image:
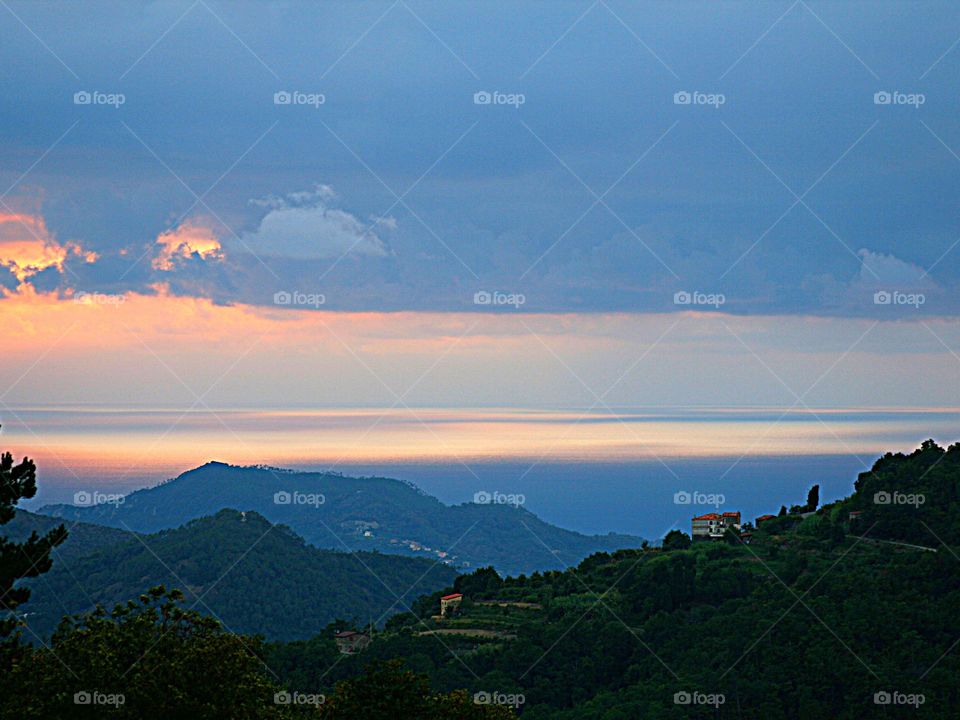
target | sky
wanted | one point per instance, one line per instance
(409, 204)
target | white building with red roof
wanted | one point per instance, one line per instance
(712, 526)
(450, 604)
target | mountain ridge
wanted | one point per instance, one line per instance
(255, 576)
(331, 510)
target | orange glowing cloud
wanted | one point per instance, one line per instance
(27, 247)
(183, 242)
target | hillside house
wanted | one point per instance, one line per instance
(450, 604)
(712, 526)
(350, 642)
(764, 518)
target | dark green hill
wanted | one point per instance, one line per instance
(356, 513)
(83, 538)
(818, 617)
(254, 576)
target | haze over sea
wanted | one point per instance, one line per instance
(590, 471)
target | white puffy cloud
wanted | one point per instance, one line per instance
(880, 269)
(304, 226)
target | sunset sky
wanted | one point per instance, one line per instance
(157, 198)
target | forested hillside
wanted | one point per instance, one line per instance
(237, 567)
(848, 612)
(816, 617)
(371, 513)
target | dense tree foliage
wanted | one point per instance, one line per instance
(254, 577)
(387, 691)
(850, 612)
(149, 658)
(818, 617)
(676, 540)
(18, 560)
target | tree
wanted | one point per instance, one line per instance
(480, 582)
(388, 691)
(783, 511)
(19, 560)
(813, 498)
(676, 540)
(148, 659)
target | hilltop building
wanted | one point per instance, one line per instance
(712, 526)
(450, 604)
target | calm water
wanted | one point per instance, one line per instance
(593, 471)
(635, 497)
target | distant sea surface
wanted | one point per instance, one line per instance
(628, 471)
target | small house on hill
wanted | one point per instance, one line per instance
(764, 518)
(712, 526)
(350, 641)
(450, 604)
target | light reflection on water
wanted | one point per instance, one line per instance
(121, 446)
